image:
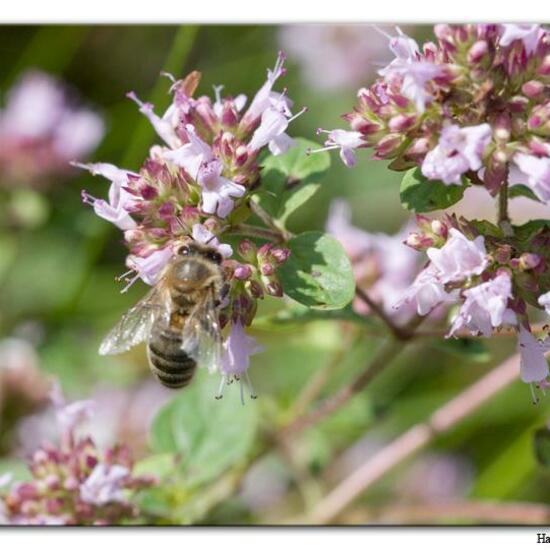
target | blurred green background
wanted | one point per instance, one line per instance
(57, 286)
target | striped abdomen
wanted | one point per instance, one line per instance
(168, 361)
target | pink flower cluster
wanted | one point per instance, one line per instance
(73, 483)
(493, 281)
(471, 108)
(196, 185)
(40, 131)
(474, 102)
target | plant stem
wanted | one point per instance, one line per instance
(479, 512)
(266, 218)
(389, 350)
(255, 231)
(414, 439)
(503, 216)
(400, 333)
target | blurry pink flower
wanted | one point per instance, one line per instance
(344, 140)
(382, 264)
(116, 210)
(533, 364)
(486, 307)
(535, 173)
(459, 258)
(334, 56)
(528, 34)
(69, 416)
(458, 150)
(37, 108)
(356, 242)
(202, 235)
(105, 484)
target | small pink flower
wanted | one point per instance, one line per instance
(238, 348)
(265, 95)
(486, 307)
(192, 155)
(535, 173)
(528, 34)
(346, 141)
(105, 485)
(116, 210)
(426, 292)
(459, 258)
(533, 364)
(149, 268)
(202, 235)
(165, 126)
(217, 192)
(272, 129)
(458, 150)
(415, 73)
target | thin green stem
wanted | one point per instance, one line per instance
(266, 218)
(254, 231)
(389, 350)
(502, 213)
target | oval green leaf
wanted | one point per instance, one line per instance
(318, 272)
(420, 194)
(210, 435)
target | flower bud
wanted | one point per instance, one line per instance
(242, 272)
(533, 88)
(274, 288)
(241, 155)
(529, 261)
(402, 123)
(247, 250)
(280, 255)
(478, 51)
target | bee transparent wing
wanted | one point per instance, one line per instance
(202, 338)
(135, 325)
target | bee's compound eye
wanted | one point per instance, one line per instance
(183, 250)
(216, 257)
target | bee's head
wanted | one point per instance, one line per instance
(194, 249)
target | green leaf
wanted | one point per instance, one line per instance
(318, 272)
(159, 465)
(420, 194)
(289, 180)
(469, 348)
(527, 230)
(542, 446)
(521, 190)
(210, 435)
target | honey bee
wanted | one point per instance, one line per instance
(178, 318)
